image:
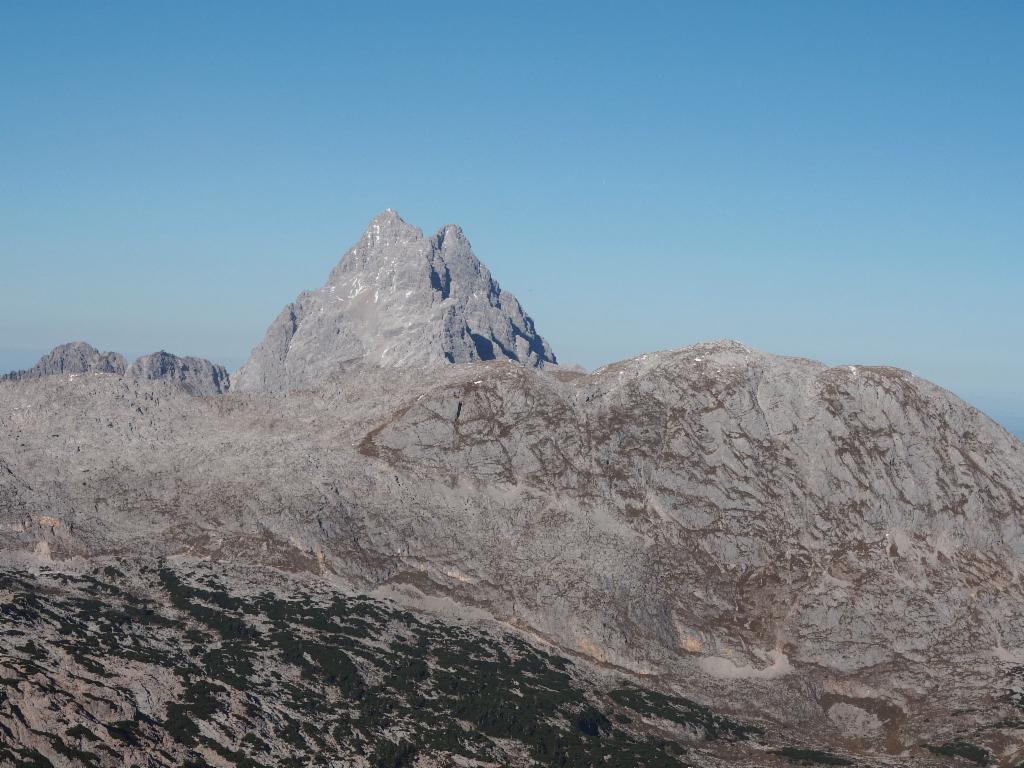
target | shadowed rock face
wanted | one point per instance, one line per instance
(193, 374)
(396, 299)
(835, 549)
(76, 357)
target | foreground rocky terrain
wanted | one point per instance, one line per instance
(707, 556)
(162, 664)
(191, 662)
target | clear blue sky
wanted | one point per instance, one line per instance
(843, 181)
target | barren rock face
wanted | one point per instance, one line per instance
(74, 358)
(836, 549)
(766, 509)
(193, 374)
(397, 299)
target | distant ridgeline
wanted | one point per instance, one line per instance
(194, 375)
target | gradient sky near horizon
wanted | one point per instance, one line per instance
(842, 181)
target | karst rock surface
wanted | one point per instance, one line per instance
(840, 547)
(397, 299)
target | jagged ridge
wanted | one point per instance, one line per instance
(194, 375)
(396, 299)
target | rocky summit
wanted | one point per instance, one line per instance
(74, 358)
(708, 556)
(193, 374)
(396, 299)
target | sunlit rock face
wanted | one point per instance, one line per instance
(397, 299)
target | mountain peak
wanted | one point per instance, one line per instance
(388, 214)
(75, 357)
(396, 299)
(195, 375)
(386, 221)
(452, 236)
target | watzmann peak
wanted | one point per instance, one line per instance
(397, 298)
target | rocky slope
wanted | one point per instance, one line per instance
(186, 662)
(396, 299)
(834, 550)
(707, 556)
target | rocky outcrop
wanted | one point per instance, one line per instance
(396, 299)
(194, 375)
(837, 549)
(74, 358)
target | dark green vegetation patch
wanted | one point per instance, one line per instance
(961, 749)
(314, 678)
(696, 717)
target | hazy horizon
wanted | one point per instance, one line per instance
(814, 180)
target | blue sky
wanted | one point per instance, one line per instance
(842, 181)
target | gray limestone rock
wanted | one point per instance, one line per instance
(396, 299)
(195, 375)
(837, 548)
(74, 358)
